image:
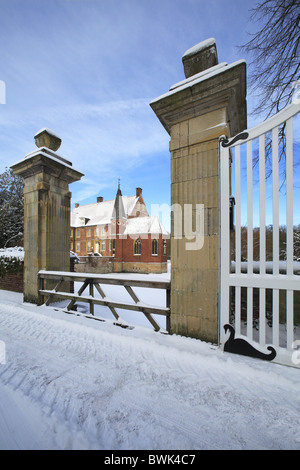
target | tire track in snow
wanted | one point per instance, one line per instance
(120, 372)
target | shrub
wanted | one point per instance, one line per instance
(10, 264)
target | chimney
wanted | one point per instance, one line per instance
(100, 199)
(76, 205)
(138, 192)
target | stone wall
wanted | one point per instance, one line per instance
(95, 264)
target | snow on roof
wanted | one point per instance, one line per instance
(145, 225)
(100, 213)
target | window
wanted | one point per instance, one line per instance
(78, 247)
(78, 233)
(165, 247)
(102, 245)
(154, 247)
(137, 247)
(88, 246)
(88, 232)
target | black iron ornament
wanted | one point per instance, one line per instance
(226, 143)
(242, 347)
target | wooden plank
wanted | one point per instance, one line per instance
(80, 291)
(147, 315)
(262, 237)
(275, 196)
(91, 292)
(112, 309)
(69, 276)
(126, 306)
(60, 282)
(237, 154)
(268, 281)
(274, 121)
(132, 294)
(168, 305)
(94, 281)
(289, 232)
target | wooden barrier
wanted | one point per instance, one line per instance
(92, 282)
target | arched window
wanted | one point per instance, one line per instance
(137, 247)
(154, 247)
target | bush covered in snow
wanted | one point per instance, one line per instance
(11, 260)
(10, 264)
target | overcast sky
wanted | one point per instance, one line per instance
(88, 69)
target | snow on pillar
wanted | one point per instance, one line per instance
(47, 176)
(210, 102)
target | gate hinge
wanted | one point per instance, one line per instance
(226, 143)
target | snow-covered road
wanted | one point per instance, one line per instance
(74, 383)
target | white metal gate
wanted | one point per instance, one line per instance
(259, 308)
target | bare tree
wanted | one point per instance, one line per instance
(11, 208)
(275, 50)
(274, 69)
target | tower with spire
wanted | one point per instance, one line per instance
(118, 225)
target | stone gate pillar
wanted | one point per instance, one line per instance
(210, 102)
(47, 176)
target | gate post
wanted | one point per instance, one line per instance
(210, 102)
(46, 210)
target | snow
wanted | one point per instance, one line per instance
(69, 382)
(145, 225)
(51, 155)
(100, 213)
(200, 47)
(13, 252)
(199, 75)
(198, 78)
(46, 129)
(54, 156)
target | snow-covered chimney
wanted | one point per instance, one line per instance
(100, 199)
(138, 192)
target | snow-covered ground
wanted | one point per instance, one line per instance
(69, 382)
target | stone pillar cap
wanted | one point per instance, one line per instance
(47, 138)
(200, 57)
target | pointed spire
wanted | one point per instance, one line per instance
(119, 211)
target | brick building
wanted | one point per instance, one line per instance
(121, 231)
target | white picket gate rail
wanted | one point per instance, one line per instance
(247, 284)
